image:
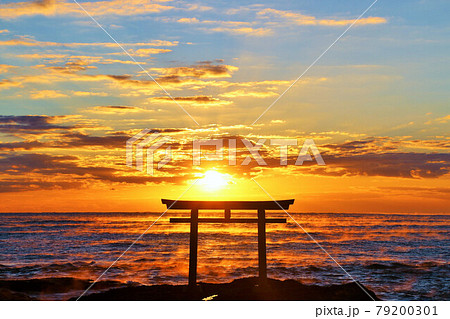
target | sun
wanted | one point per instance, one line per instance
(213, 180)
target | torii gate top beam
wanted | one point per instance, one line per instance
(216, 205)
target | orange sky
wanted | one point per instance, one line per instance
(376, 104)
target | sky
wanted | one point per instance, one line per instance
(77, 81)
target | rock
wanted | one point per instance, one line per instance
(239, 289)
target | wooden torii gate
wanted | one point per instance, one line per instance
(227, 206)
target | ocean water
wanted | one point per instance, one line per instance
(399, 257)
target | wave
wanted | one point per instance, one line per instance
(44, 270)
(424, 266)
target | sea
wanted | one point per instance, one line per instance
(398, 256)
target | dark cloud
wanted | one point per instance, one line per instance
(118, 107)
(72, 67)
(26, 145)
(72, 139)
(355, 158)
(25, 172)
(23, 186)
(19, 164)
(381, 156)
(31, 123)
(198, 99)
(120, 77)
(404, 165)
(366, 145)
(44, 3)
(201, 70)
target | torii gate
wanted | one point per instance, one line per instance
(227, 206)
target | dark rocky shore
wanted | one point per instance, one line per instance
(239, 289)
(49, 288)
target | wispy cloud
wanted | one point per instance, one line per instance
(439, 120)
(95, 8)
(5, 68)
(231, 27)
(302, 19)
(7, 84)
(114, 109)
(245, 93)
(148, 52)
(81, 59)
(249, 31)
(31, 42)
(201, 100)
(46, 94)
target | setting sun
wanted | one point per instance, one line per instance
(213, 180)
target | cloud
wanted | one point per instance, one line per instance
(249, 31)
(95, 8)
(198, 7)
(215, 22)
(73, 66)
(56, 132)
(200, 100)
(271, 84)
(195, 78)
(155, 43)
(85, 93)
(362, 21)
(148, 52)
(77, 140)
(404, 165)
(261, 25)
(188, 20)
(69, 72)
(41, 56)
(101, 159)
(441, 193)
(4, 31)
(29, 172)
(127, 8)
(69, 140)
(6, 84)
(433, 145)
(46, 94)
(440, 120)
(17, 9)
(24, 145)
(381, 157)
(200, 71)
(4, 68)
(30, 42)
(301, 19)
(84, 59)
(66, 68)
(114, 109)
(245, 93)
(30, 123)
(231, 27)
